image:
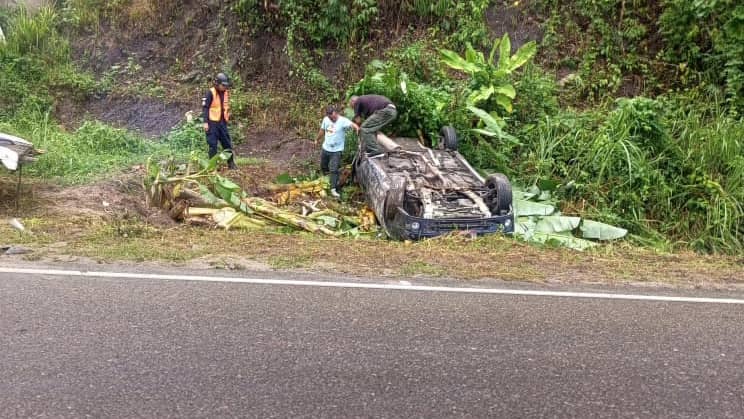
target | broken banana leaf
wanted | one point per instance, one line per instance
(557, 224)
(265, 208)
(173, 188)
(563, 240)
(537, 223)
(230, 218)
(601, 231)
(526, 208)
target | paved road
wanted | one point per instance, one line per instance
(79, 347)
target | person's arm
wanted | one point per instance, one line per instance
(323, 127)
(357, 114)
(319, 137)
(349, 124)
(205, 112)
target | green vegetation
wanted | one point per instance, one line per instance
(642, 128)
(35, 64)
(667, 166)
(36, 70)
(616, 46)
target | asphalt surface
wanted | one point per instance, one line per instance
(91, 347)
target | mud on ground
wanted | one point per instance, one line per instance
(150, 117)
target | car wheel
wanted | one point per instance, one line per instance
(448, 137)
(500, 194)
(394, 199)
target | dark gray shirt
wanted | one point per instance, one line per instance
(368, 104)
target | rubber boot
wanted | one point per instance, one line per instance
(231, 161)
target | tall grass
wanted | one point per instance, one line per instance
(35, 64)
(712, 192)
(95, 150)
(671, 167)
(36, 33)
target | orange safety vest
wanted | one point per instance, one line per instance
(215, 110)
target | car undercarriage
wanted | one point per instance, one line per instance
(419, 192)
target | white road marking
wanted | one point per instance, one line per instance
(372, 286)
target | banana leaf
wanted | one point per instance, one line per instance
(601, 231)
(524, 54)
(329, 221)
(526, 208)
(484, 93)
(562, 240)
(506, 90)
(454, 61)
(284, 179)
(525, 227)
(493, 123)
(557, 224)
(504, 102)
(209, 197)
(505, 52)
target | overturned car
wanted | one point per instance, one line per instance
(418, 192)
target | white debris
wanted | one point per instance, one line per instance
(16, 224)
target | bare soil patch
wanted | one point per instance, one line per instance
(151, 117)
(282, 148)
(505, 17)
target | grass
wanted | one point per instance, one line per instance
(669, 169)
(54, 236)
(289, 262)
(94, 150)
(421, 268)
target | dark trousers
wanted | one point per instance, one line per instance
(218, 133)
(372, 125)
(330, 162)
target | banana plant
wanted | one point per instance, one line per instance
(490, 78)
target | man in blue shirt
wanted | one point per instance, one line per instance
(333, 129)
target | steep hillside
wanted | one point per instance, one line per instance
(171, 50)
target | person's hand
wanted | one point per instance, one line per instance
(206, 127)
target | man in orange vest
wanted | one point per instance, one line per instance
(216, 105)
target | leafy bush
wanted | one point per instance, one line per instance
(421, 108)
(312, 23)
(537, 96)
(709, 37)
(490, 85)
(463, 21)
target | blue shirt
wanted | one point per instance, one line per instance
(335, 133)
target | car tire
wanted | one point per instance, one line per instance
(448, 137)
(394, 199)
(500, 193)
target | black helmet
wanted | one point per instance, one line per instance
(222, 79)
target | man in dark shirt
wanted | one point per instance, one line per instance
(216, 104)
(377, 111)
